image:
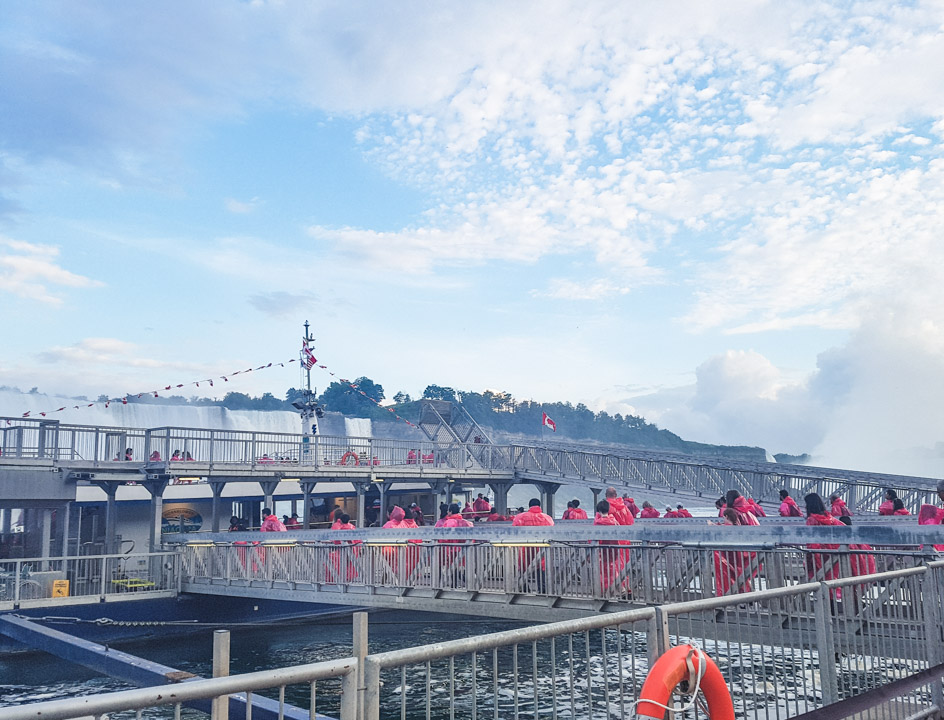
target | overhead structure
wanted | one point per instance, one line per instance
(445, 422)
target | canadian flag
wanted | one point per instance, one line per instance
(546, 420)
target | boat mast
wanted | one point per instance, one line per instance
(308, 408)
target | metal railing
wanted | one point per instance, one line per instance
(33, 581)
(594, 667)
(595, 567)
(172, 698)
(180, 449)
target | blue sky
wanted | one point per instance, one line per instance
(722, 216)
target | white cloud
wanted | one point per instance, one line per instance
(562, 289)
(241, 207)
(28, 270)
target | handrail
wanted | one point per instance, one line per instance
(367, 678)
(202, 689)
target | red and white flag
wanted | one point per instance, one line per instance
(307, 357)
(546, 420)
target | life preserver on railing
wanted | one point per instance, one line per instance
(350, 454)
(684, 663)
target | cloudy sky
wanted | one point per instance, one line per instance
(724, 216)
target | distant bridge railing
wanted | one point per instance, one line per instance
(95, 578)
(180, 451)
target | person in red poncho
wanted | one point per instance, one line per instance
(527, 557)
(788, 506)
(631, 506)
(392, 553)
(618, 508)
(733, 568)
(931, 515)
(648, 511)
(838, 507)
(735, 501)
(612, 560)
(451, 561)
(682, 512)
(898, 507)
(888, 506)
(670, 513)
(577, 513)
(574, 511)
(820, 566)
(270, 522)
(345, 556)
(756, 509)
(481, 507)
(859, 564)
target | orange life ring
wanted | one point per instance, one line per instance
(678, 664)
(349, 454)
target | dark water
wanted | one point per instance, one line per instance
(36, 676)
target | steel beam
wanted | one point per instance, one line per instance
(130, 668)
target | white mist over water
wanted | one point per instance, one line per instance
(138, 415)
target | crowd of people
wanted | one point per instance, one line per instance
(735, 570)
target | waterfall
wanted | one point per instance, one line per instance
(357, 427)
(140, 415)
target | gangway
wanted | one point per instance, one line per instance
(549, 573)
(56, 457)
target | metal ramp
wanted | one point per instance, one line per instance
(450, 427)
(443, 421)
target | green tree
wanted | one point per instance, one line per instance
(237, 401)
(437, 392)
(347, 400)
(402, 397)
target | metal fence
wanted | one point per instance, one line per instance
(197, 449)
(590, 569)
(783, 652)
(595, 667)
(40, 581)
(169, 701)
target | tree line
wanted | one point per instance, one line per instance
(495, 411)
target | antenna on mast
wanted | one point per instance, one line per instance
(306, 405)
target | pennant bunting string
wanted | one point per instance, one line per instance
(124, 399)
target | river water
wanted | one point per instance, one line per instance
(35, 677)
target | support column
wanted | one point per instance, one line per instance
(65, 512)
(307, 487)
(45, 543)
(500, 491)
(7, 523)
(156, 485)
(596, 498)
(217, 488)
(111, 516)
(382, 518)
(360, 504)
(549, 492)
(268, 493)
